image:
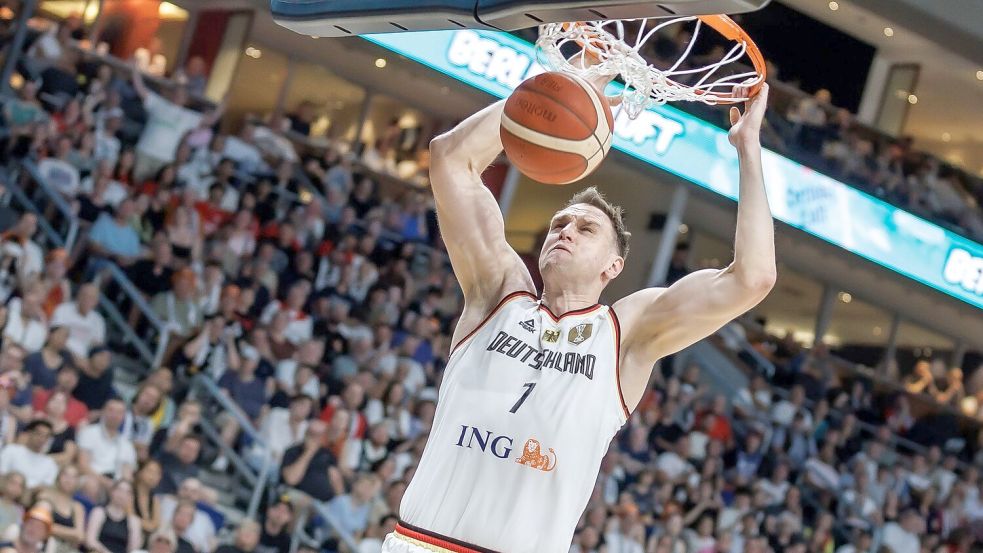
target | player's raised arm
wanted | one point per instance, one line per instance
(661, 321)
(470, 220)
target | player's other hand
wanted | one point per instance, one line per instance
(745, 128)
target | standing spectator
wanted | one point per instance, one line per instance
(86, 327)
(168, 120)
(112, 528)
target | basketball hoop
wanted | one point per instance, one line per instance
(608, 51)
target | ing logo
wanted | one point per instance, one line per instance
(532, 456)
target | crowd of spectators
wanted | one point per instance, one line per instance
(326, 317)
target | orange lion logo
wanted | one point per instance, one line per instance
(533, 457)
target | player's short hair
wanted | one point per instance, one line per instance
(591, 196)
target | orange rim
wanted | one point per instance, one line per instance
(724, 25)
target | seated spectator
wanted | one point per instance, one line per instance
(43, 365)
(311, 468)
(33, 532)
(246, 538)
(112, 528)
(99, 195)
(162, 541)
(277, 526)
(146, 502)
(68, 530)
(12, 488)
(103, 450)
(283, 427)
(672, 465)
(57, 288)
(249, 394)
(163, 380)
(178, 308)
(26, 326)
(138, 426)
(212, 351)
(61, 447)
(351, 511)
(199, 530)
(107, 145)
(57, 170)
(86, 327)
(179, 464)
(66, 381)
(362, 455)
(300, 325)
(28, 458)
(95, 380)
(902, 536)
(152, 275)
(24, 112)
(113, 237)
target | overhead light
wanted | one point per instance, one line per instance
(834, 6)
(888, 31)
(946, 137)
(315, 37)
(254, 53)
(683, 228)
(912, 99)
(979, 75)
(380, 62)
(845, 297)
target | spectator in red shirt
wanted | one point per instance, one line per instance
(66, 381)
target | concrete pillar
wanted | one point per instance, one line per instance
(279, 107)
(891, 351)
(826, 303)
(670, 232)
(363, 116)
(958, 354)
(16, 44)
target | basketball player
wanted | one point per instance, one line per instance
(536, 386)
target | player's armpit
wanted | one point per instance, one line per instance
(657, 322)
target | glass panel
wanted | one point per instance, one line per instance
(900, 85)
(257, 84)
(333, 104)
(858, 331)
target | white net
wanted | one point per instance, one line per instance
(614, 47)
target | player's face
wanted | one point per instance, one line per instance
(581, 245)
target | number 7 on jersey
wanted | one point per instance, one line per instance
(528, 386)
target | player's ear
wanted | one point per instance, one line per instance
(614, 268)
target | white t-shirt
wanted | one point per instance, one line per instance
(275, 431)
(38, 469)
(672, 465)
(201, 532)
(899, 539)
(775, 491)
(299, 329)
(84, 331)
(167, 123)
(107, 147)
(60, 175)
(108, 455)
(29, 334)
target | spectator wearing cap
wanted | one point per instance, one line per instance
(112, 528)
(178, 308)
(29, 458)
(311, 468)
(86, 327)
(66, 380)
(95, 380)
(246, 538)
(43, 365)
(103, 451)
(276, 527)
(32, 534)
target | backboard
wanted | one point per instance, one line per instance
(335, 18)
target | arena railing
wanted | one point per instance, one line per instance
(203, 388)
(44, 193)
(107, 306)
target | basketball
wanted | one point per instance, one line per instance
(556, 128)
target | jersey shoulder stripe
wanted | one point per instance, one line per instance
(617, 360)
(507, 299)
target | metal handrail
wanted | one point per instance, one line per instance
(71, 235)
(259, 480)
(322, 511)
(136, 296)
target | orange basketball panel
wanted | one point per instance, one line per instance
(548, 115)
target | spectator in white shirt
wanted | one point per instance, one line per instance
(281, 428)
(903, 537)
(104, 451)
(86, 327)
(58, 172)
(673, 464)
(108, 146)
(20, 256)
(27, 458)
(26, 325)
(301, 326)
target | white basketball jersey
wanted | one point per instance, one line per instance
(528, 405)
